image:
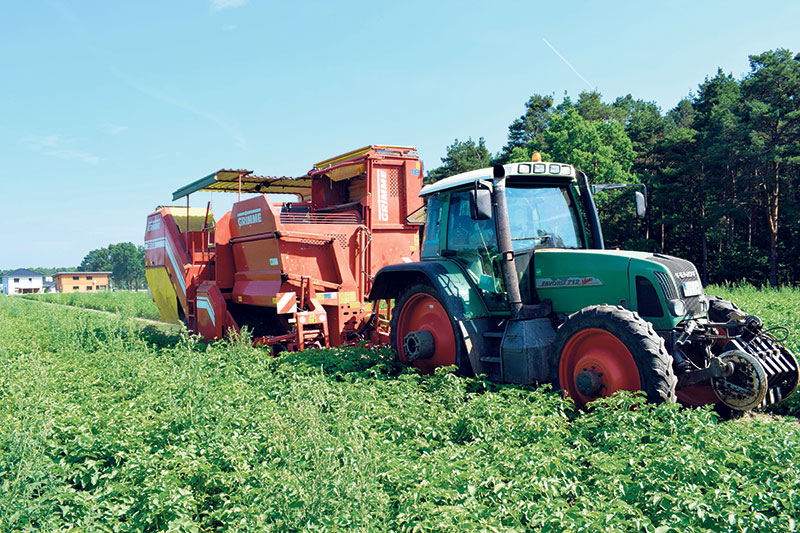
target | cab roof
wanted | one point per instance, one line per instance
(537, 169)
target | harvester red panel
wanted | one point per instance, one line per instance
(297, 274)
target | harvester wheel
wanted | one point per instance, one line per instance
(602, 349)
(420, 309)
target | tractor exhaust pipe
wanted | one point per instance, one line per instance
(503, 231)
(591, 212)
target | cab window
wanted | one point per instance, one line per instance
(465, 233)
(430, 243)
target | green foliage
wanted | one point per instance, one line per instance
(528, 127)
(108, 426)
(722, 168)
(126, 303)
(124, 260)
(599, 147)
(461, 157)
(44, 271)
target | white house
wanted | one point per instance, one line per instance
(23, 281)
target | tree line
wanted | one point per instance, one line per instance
(44, 271)
(722, 168)
(124, 260)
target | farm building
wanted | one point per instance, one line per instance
(24, 281)
(81, 281)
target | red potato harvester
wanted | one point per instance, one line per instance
(297, 274)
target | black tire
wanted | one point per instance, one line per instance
(459, 358)
(656, 377)
(720, 310)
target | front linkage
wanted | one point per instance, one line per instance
(743, 364)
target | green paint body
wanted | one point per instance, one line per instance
(572, 278)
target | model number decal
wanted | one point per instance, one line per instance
(249, 217)
(588, 281)
(383, 197)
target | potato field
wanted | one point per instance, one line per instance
(109, 424)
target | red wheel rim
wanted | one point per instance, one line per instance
(424, 312)
(599, 351)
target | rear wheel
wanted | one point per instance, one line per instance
(424, 334)
(602, 349)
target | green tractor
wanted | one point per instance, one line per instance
(514, 282)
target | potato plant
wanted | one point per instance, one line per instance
(126, 303)
(109, 425)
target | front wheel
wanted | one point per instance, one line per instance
(424, 334)
(602, 349)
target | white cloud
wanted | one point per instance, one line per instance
(57, 146)
(229, 27)
(217, 5)
(181, 104)
(74, 154)
(115, 129)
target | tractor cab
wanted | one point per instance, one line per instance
(544, 212)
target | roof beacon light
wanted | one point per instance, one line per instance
(536, 157)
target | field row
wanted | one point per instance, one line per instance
(108, 425)
(125, 303)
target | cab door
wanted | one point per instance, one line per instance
(473, 245)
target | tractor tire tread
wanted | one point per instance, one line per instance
(647, 348)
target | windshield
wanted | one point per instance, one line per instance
(542, 218)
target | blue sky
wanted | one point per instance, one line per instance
(107, 107)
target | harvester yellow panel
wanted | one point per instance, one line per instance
(244, 181)
(197, 217)
(346, 172)
(163, 293)
(358, 152)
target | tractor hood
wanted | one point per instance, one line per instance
(650, 284)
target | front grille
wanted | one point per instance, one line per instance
(667, 285)
(681, 271)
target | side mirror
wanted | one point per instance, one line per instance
(641, 204)
(480, 204)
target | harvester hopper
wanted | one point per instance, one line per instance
(297, 273)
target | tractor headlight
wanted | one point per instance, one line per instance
(676, 307)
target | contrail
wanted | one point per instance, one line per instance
(567, 63)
